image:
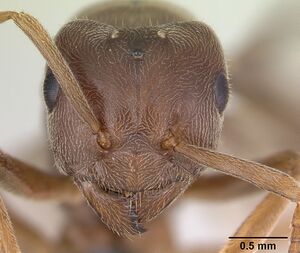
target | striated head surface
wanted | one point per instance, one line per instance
(143, 84)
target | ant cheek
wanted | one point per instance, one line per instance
(51, 90)
(221, 89)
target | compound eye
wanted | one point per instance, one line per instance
(51, 90)
(221, 91)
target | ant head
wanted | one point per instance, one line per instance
(143, 85)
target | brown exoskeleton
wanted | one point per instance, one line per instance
(135, 110)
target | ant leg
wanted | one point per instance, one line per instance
(295, 237)
(262, 220)
(259, 223)
(219, 187)
(33, 242)
(8, 242)
(22, 179)
(29, 240)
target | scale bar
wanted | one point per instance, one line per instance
(258, 237)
